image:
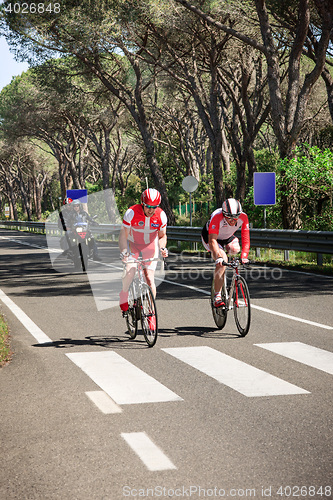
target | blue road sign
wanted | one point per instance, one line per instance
(75, 194)
(264, 188)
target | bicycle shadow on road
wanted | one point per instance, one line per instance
(97, 341)
(198, 331)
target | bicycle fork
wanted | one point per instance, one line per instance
(229, 293)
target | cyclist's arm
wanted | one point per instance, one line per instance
(162, 238)
(245, 237)
(123, 236)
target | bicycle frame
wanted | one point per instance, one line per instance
(229, 293)
(142, 306)
(236, 297)
(139, 278)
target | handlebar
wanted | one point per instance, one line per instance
(236, 263)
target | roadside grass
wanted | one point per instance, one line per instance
(5, 351)
(298, 261)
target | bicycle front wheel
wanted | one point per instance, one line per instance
(148, 315)
(242, 306)
(219, 313)
(131, 315)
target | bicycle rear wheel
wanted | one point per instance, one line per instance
(242, 306)
(219, 313)
(131, 316)
(148, 315)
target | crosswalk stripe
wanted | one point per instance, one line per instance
(306, 354)
(153, 458)
(120, 379)
(241, 377)
(103, 402)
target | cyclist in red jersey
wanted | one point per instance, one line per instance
(143, 233)
(219, 239)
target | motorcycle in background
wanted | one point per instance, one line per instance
(81, 248)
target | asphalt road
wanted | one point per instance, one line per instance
(86, 413)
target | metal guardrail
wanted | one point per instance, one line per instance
(319, 242)
(303, 241)
(26, 225)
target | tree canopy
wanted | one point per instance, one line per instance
(124, 90)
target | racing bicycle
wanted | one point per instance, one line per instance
(235, 296)
(141, 306)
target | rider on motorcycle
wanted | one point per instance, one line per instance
(78, 215)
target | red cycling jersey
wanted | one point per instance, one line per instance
(144, 230)
(218, 225)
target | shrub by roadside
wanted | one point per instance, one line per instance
(5, 352)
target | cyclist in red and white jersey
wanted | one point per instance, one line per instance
(219, 239)
(143, 233)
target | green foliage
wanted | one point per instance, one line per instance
(64, 90)
(311, 174)
(132, 194)
(94, 188)
(267, 161)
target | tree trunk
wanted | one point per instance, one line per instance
(327, 77)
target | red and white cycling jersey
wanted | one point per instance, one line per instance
(144, 230)
(218, 225)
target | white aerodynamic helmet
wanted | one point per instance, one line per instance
(231, 208)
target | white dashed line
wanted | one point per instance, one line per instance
(153, 458)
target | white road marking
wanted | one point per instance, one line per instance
(120, 379)
(103, 402)
(32, 328)
(295, 318)
(264, 309)
(24, 243)
(150, 454)
(241, 377)
(306, 354)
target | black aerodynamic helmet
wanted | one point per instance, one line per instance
(231, 208)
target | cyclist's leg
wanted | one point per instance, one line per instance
(130, 267)
(149, 275)
(219, 270)
(233, 247)
(150, 252)
(230, 247)
(219, 273)
(127, 278)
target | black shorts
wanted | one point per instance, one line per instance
(204, 234)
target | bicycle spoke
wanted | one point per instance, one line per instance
(149, 316)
